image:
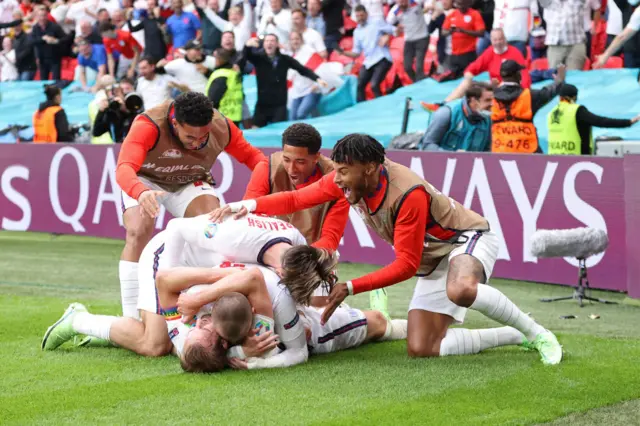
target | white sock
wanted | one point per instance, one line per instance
(396, 330)
(462, 341)
(93, 325)
(495, 305)
(128, 272)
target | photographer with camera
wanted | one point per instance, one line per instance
(117, 111)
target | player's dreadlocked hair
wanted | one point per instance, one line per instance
(358, 147)
(198, 358)
(304, 136)
(305, 268)
(194, 109)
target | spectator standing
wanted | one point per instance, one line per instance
(565, 33)
(569, 125)
(182, 26)
(333, 19)
(629, 36)
(25, 54)
(408, 15)
(89, 33)
(277, 21)
(439, 12)
(614, 21)
(240, 21)
(304, 94)
(514, 17)
(486, 9)
(315, 19)
(513, 110)
(50, 124)
(464, 25)
(311, 38)
(92, 63)
(8, 70)
(48, 39)
(211, 34)
(7, 7)
(81, 12)
(155, 88)
(224, 88)
(490, 61)
(151, 23)
(370, 38)
(375, 9)
(462, 125)
(125, 45)
(271, 74)
(592, 17)
(194, 69)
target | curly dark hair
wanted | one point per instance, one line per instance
(304, 136)
(193, 109)
(358, 148)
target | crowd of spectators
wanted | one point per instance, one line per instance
(168, 46)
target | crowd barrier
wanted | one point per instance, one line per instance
(71, 189)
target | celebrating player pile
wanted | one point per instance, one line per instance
(449, 247)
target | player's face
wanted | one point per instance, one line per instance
(298, 163)
(204, 333)
(190, 136)
(352, 179)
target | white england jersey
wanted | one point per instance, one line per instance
(347, 328)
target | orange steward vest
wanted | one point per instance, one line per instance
(44, 125)
(512, 129)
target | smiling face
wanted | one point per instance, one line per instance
(353, 179)
(227, 41)
(235, 15)
(191, 137)
(270, 44)
(295, 41)
(298, 163)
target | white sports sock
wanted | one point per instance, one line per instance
(93, 325)
(128, 272)
(396, 330)
(492, 303)
(462, 341)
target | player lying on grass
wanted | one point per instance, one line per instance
(449, 247)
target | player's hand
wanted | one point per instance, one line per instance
(560, 74)
(240, 208)
(599, 63)
(238, 364)
(339, 292)
(149, 203)
(255, 346)
(188, 306)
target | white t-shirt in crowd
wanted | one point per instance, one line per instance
(614, 19)
(313, 39)
(300, 85)
(59, 13)
(513, 17)
(590, 6)
(634, 21)
(187, 73)
(8, 70)
(282, 26)
(7, 7)
(77, 13)
(156, 91)
(375, 9)
(241, 32)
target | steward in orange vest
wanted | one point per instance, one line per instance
(513, 109)
(50, 123)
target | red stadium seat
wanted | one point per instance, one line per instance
(397, 43)
(587, 65)
(349, 24)
(336, 57)
(614, 62)
(539, 64)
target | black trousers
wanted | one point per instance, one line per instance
(50, 66)
(416, 49)
(266, 114)
(375, 75)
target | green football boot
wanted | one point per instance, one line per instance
(549, 348)
(378, 301)
(62, 330)
(90, 342)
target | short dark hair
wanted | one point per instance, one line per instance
(360, 8)
(194, 109)
(150, 59)
(304, 136)
(106, 26)
(358, 147)
(272, 35)
(229, 32)
(476, 89)
(51, 91)
(223, 55)
(128, 80)
(300, 11)
(197, 358)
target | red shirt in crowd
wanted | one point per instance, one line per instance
(141, 139)
(334, 222)
(123, 43)
(408, 234)
(490, 61)
(471, 20)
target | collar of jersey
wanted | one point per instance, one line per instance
(313, 178)
(375, 199)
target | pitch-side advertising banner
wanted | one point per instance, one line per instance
(72, 189)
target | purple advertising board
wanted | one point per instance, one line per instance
(71, 189)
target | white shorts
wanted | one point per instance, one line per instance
(347, 328)
(430, 293)
(177, 202)
(150, 261)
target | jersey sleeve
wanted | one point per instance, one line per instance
(242, 150)
(178, 332)
(259, 182)
(408, 242)
(140, 140)
(323, 191)
(333, 227)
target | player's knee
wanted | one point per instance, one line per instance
(376, 325)
(138, 235)
(462, 290)
(423, 348)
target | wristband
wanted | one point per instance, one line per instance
(350, 288)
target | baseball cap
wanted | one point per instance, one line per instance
(510, 67)
(568, 91)
(192, 44)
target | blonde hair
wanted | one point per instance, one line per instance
(305, 268)
(233, 315)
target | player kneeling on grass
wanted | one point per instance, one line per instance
(448, 246)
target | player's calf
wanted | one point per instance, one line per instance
(379, 328)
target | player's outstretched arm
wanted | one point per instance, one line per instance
(242, 150)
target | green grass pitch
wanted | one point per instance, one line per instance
(597, 383)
